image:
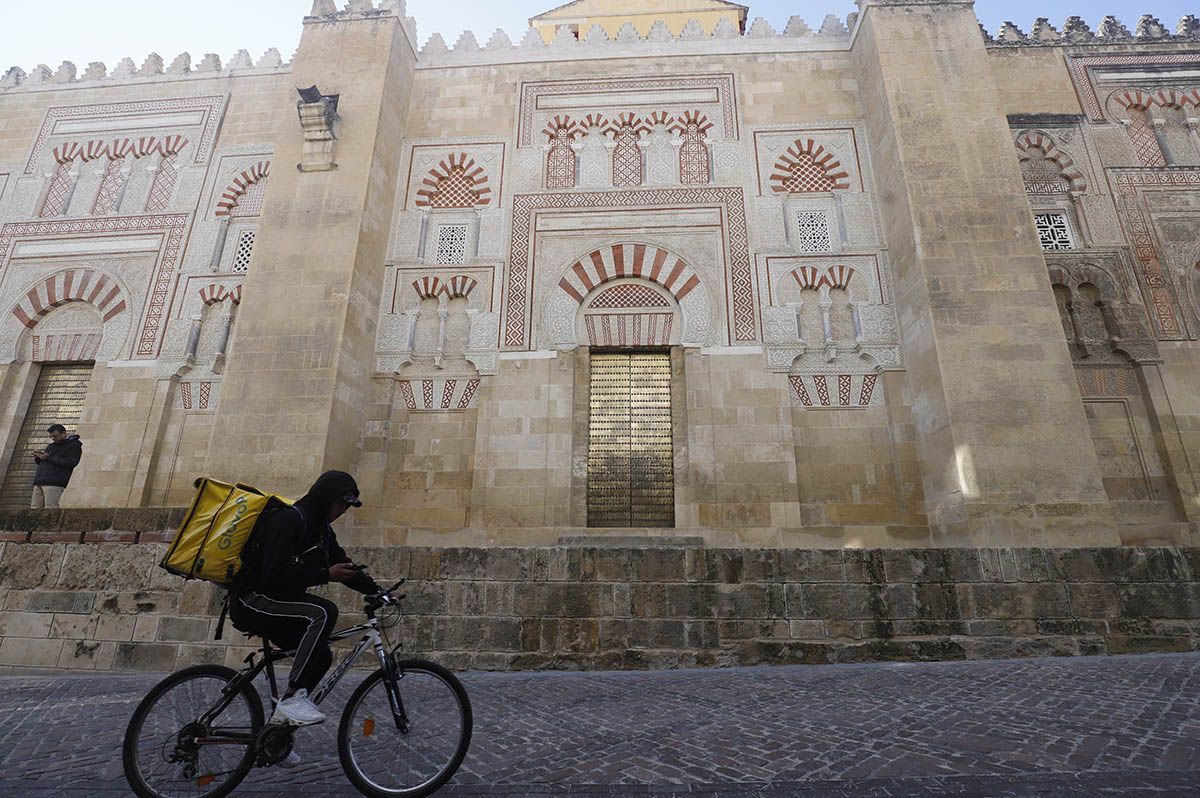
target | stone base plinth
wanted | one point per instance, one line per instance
(101, 605)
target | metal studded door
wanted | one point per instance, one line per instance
(57, 399)
(631, 480)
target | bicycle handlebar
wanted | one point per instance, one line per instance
(385, 598)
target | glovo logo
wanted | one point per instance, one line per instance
(225, 538)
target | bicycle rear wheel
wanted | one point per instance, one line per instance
(161, 755)
(384, 761)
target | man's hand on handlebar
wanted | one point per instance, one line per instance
(384, 598)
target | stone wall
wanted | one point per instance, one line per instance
(108, 606)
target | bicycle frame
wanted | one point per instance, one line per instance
(371, 638)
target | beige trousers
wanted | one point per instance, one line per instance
(46, 497)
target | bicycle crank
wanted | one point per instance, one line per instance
(274, 743)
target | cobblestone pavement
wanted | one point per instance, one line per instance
(1067, 727)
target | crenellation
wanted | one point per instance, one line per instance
(40, 74)
(797, 27)
(499, 41)
(1076, 31)
(153, 65)
(626, 34)
(152, 68)
(693, 31)
(1043, 31)
(1148, 27)
(65, 73)
(565, 37)
(659, 32)
(1009, 33)
(725, 30)
(467, 43)
(532, 40)
(1112, 28)
(210, 63)
(833, 27)
(182, 64)
(125, 68)
(760, 33)
(435, 46)
(761, 29)
(271, 59)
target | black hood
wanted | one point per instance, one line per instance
(329, 487)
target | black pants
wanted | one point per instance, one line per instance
(300, 622)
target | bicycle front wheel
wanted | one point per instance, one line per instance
(173, 750)
(384, 760)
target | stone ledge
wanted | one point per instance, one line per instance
(109, 606)
(90, 525)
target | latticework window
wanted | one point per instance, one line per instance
(1054, 231)
(813, 232)
(560, 164)
(627, 158)
(1145, 143)
(111, 187)
(1043, 176)
(694, 165)
(452, 244)
(59, 195)
(807, 176)
(454, 191)
(163, 187)
(245, 249)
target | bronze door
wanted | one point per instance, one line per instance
(631, 480)
(57, 399)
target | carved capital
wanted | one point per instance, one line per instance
(318, 114)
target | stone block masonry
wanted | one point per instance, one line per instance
(108, 606)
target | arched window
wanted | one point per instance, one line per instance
(695, 163)
(561, 163)
(456, 182)
(628, 166)
(807, 168)
(1042, 176)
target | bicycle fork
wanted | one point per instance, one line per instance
(391, 681)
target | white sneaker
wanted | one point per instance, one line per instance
(292, 760)
(297, 711)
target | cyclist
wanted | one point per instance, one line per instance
(299, 550)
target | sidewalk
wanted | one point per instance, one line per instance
(1064, 727)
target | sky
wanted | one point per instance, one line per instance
(76, 31)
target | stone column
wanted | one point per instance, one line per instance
(302, 356)
(1001, 431)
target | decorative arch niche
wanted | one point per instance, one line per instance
(633, 285)
(76, 315)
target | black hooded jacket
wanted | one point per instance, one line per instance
(55, 470)
(299, 544)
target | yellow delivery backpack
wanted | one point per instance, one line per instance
(209, 543)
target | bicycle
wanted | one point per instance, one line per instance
(403, 734)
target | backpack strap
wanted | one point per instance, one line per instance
(224, 612)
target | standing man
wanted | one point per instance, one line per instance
(55, 464)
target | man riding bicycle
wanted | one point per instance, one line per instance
(299, 550)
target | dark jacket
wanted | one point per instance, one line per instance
(55, 470)
(299, 545)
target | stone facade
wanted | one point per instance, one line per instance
(108, 606)
(923, 286)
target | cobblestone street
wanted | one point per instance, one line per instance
(1066, 727)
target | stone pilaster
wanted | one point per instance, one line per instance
(297, 383)
(1001, 431)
